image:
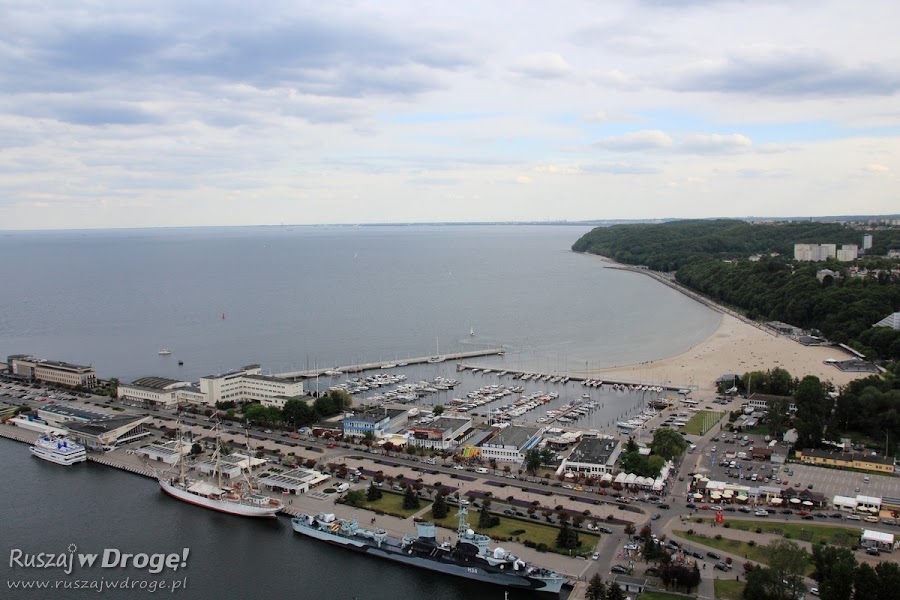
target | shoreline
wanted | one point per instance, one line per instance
(737, 345)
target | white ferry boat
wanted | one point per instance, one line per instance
(58, 450)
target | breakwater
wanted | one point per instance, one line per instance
(386, 364)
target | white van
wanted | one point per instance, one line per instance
(481, 470)
(430, 461)
(342, 488)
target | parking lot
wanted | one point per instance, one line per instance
(828, 482)
(833, 482)
(745, 469)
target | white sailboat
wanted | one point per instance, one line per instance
(236, 499)
(437, 357)
(164, 352)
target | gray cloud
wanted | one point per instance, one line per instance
(787, 72)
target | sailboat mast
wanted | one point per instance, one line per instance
(180, 449)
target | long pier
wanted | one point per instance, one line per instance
(390, 363)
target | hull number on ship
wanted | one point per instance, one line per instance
(472, 570)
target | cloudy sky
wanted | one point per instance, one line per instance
(167, 113)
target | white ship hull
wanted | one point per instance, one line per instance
(227, 506)
(59, 459)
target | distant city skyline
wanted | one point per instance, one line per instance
(167, 114)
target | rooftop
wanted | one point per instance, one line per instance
(157, 383)
(444, 424)
(593, 451)
(512, 436)
(101, 426)
(74, 413)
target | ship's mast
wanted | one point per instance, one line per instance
(180, 449)
(217, 453)
(462, 522)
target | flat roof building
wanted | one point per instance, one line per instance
(151, 391)
(441, 434)
(379, 422)
(51, 371)
(295, 481)
(106, 434)
(511, 443)
(593, 456)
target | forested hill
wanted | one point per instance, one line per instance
(669, 246)
(774, 288)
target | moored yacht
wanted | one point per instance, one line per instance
(58, 450)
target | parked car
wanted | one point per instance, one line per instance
(619, 569)
(853, 517)
(655, 517)
(595, 556)
(722, 566)
(713, 556)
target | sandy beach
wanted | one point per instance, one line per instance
(735, 347)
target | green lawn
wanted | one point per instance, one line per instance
(702, 422)
(393, 504)
(741, 549)
(729, 545)
(729, 589)
(831, 534)
(533, 531)
(662, 596)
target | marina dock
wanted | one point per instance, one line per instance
(576, 378)
(388, 364)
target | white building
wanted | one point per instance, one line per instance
(848, 253)
(442, 434)
(165, 452)
(247, 384)
(811, 252)
(152, 391)
(511, 443)
(867, 241)
(593, 456)
(51, 371)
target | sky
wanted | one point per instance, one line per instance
(188, 113)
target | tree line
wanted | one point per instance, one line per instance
(710, 257)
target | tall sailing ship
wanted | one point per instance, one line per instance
(470, 557)
(239, 498)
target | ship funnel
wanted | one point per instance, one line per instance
(425, 530)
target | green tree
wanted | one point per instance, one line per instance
(410, 499)
(788, 562)
(196, 449)
(631, 445)
(763, 584)
(812, 409)
(341, 399)
(865, 583)
(439, 508)
(614, 592)
(355, 498)
(532, 460)
(888, 580)
(299, 413)
(834, 571)
(256, 413)
(484, 518)
(437, 410)
(325, 406)
(373, 492)
(668, 443)
(778, 416)
(596, 589)
(567, 538)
